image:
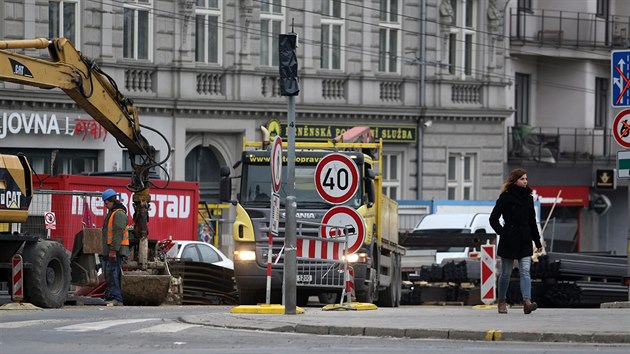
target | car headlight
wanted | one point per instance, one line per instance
(245, 255)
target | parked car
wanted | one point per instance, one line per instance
(198, 251)
(446, 224)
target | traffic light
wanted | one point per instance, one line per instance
(289, 82)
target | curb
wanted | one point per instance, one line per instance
(414, 333)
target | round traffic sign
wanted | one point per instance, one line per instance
(336, 178)
(621, 128)
(340, 220)
(276, 163)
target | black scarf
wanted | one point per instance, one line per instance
(523, 194)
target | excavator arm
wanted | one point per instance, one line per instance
(83, 81)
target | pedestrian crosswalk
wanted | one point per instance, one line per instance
(138, 325)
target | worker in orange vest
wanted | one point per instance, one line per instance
(115, 246)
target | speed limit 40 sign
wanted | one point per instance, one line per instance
(336, 178)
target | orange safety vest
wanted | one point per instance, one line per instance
(110, 231)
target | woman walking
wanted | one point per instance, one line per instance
(519, 229)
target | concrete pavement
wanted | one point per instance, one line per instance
(601, 325)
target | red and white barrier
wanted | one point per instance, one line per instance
(18, 276)
(351, 296)
(488, 274)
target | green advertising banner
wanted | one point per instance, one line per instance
(404, 134)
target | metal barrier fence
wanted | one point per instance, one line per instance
(321, 261)
(58, 215)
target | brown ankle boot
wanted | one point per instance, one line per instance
(529, 306)
(502, 307)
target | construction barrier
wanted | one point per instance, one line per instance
(320, 261)
(17, 266)
(488, 274)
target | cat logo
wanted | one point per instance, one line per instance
(20, 69)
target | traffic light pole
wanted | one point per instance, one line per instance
(290, 87)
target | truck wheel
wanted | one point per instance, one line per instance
(48, 280)
(387, 297)
(370, 294)
(398, 276)
(327, 298)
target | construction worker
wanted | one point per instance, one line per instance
(115, 245)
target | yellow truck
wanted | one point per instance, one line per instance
(376, 264)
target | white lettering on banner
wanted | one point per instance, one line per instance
(34, 123)
(162, 205)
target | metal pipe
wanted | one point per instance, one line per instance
(37, 43)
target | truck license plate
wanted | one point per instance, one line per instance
(304, 278)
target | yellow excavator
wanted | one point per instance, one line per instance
(46, 263)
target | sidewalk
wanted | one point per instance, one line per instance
(606, 325)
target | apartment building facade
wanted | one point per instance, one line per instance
(429, 76)
(561, 130)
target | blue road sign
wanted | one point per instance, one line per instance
(620, 78)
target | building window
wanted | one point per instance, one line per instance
(462, 37)
(271, 24)
(332, 34)
(601, 101)
(207, 31)
(461, 176)
(63, 20)
(389, 36)
(203, 166)
(138, 29)
(524, 5)
(391, 175)
(603, 7)
(521, 99)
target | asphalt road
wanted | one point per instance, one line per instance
(168, 329)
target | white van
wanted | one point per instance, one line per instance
(454, 223)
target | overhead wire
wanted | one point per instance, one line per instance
(403, 58)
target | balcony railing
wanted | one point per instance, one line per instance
(553, 145)
(568, 29)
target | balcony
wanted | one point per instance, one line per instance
(568, 29)
(560, 145)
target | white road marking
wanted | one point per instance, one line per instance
(166, 328)
(95, 326)
(22, 324)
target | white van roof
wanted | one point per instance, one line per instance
(453, 221)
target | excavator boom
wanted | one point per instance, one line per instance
(97, 93)
(93, 90)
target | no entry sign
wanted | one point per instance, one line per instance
(336, 178)
(347, 221)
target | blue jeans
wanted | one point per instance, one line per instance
(524, 264)
(113, 276)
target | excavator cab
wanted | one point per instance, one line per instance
(16, 188)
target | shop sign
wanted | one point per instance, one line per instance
(13, 123)
(570, 196)
(323, 132)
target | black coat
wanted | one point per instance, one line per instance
(516, 205)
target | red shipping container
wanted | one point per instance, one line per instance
(172, 213)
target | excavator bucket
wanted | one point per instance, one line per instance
(142, 289)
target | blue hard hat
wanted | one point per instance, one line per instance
(108, 194)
